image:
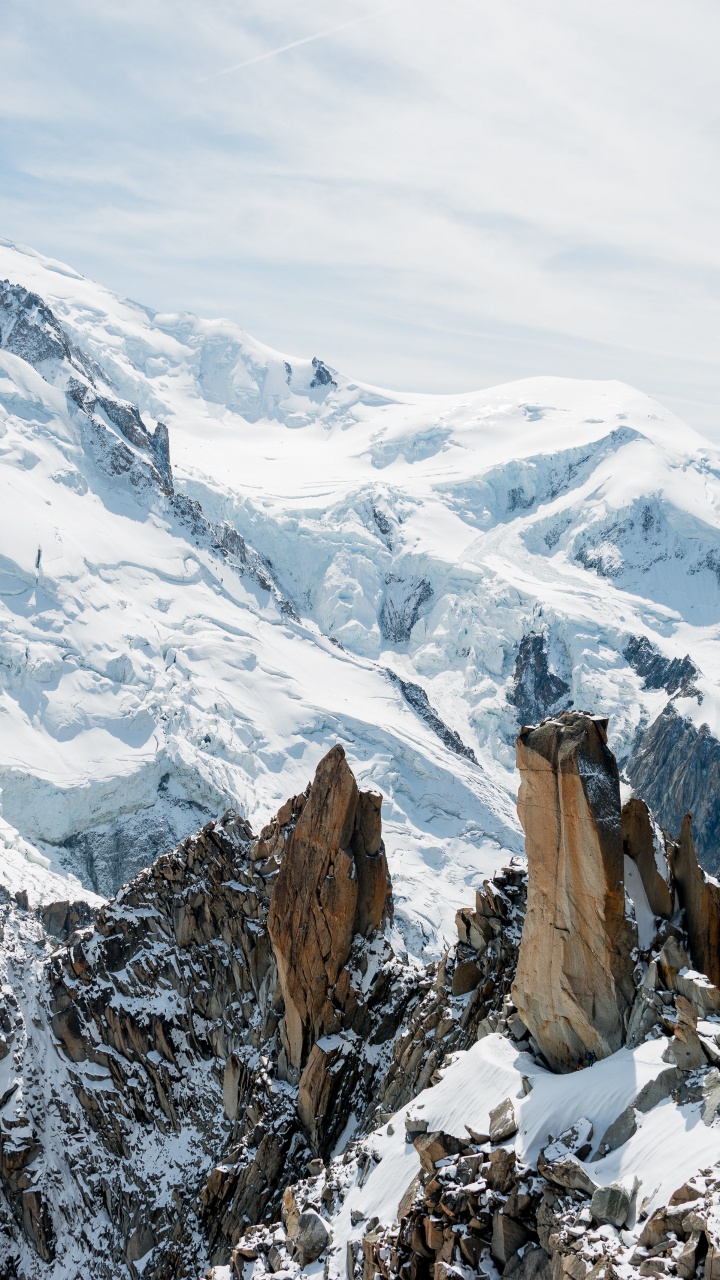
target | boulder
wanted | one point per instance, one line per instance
(332, 883)
(503, 1122)
(309, 1236)
(530, 1263)
(508, 1235)
(618, 1133)
(643, 842)
(576, 934)
(611, 1204)
(700, 896)
(434, 1147)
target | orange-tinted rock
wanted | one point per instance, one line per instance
(700, 896)
(332, 883)
(574, 983)
(642, 841)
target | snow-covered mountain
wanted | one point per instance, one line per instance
(216, 561)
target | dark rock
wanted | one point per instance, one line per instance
(611, 1204)
(322, 376)
(659, 672)
(535, 690)
(400, 609)
(530, 1263)
(310, 1237)
(676, 768)
(417, 698)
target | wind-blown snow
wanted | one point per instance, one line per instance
(147, 682)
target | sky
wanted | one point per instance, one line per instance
(430, 197)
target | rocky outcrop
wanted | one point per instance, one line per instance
(576, 934)
(700, 896)
(659, 672)
(535, 690)
(643, 842)
(332, 884)
(675, 766)
(417, 698)
(400, 609)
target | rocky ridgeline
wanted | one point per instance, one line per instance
(113, 433)
(173, 1064)
(176, 1075)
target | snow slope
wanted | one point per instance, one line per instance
(671, 1143)
(399, 551)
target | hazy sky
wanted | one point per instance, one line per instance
(440, 196)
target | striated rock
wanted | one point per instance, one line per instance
(333, 882)
(576, 934)
(700, 896)
(611, 1204)
(642, 841)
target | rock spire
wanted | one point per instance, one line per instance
(333, 883)
(574, 983)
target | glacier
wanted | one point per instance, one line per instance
(217, 560)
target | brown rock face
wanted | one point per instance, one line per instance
(639, 838)
(332, 884)
(700, 896)
(574, 986)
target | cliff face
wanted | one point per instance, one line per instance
(574, 984)
(333, 883)
(700, 896)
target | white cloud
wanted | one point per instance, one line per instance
(436, 196)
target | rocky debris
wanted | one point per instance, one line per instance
(658, 672)
(535, 690)
(576, 932)
(239, 999)
(643, 842)
(417, 698)
(166, 1010)
(700, 897)
(560, 1161)
(675, 766)
(332, 883)
(447, 1019)
(484, 1207)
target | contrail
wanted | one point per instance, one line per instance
(295, 44)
